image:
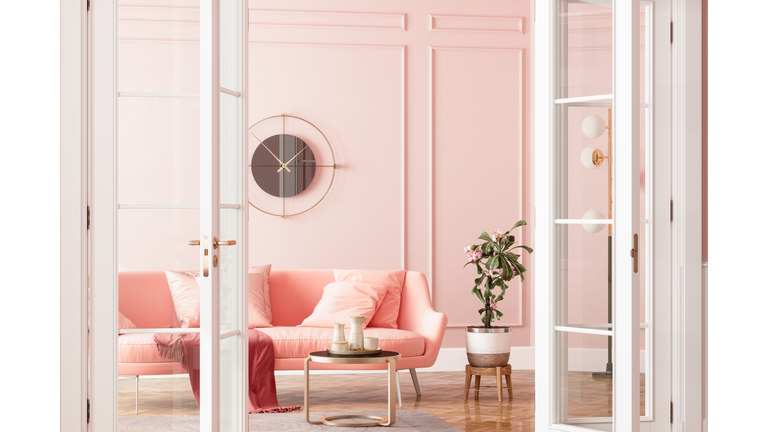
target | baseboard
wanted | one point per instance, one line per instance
(523, 358)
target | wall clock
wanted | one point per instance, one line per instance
(292, 166)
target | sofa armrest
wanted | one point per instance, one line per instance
(418, 315)
(433, 325)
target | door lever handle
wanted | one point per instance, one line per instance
(206, 258)
(634, 253)
(217, 243)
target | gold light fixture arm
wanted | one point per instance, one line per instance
(610, 170)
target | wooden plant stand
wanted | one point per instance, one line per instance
(498, 372)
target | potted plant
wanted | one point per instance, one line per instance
(496, 264)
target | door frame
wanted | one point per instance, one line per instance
(79, 130)
(685, 236)
(74, 200)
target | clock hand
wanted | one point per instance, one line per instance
(270, 152)
(297, 154)
(285, 165)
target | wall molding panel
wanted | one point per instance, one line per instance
(517, 54)
(351, 20)
(476, 23)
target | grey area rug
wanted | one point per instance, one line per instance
(407, 420)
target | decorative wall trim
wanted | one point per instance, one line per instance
(403, 117)
(476, 23)
(520, 170)
(356, 20)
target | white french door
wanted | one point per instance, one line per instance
(168, 191)
(602, 217)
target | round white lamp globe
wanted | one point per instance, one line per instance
(593, 126)
(593, 228)
(586, 158)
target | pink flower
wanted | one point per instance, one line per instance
(493, 273)
(473, 255)
(498, 236)
(493, 306)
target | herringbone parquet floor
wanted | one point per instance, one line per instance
(442, 396)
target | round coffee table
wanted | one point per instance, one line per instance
(388, 357)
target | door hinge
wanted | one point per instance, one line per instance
(671, 211)
(88, 411)
(671, 412)
(671, 32)
(88, 218)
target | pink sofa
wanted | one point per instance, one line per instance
(144, 298)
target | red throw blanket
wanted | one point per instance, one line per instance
(262, 392)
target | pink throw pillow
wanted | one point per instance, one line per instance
(123, 322)
(185, 293)
(264, 270)
(387, 313)
(258, 299)
(344, 299)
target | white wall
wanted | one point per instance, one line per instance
(29, 175)
(738, 288)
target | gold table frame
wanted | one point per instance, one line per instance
(388, 357)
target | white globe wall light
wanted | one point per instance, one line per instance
(593, 227)
(593, 126)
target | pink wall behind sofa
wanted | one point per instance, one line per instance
(427, 106)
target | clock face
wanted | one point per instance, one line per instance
(283, 165)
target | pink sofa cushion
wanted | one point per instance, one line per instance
(264, 270)
(386, 314)
(123, 322)
(138, 348)
(297, 342)
(344, 299)
(185, 293)
(258, 298)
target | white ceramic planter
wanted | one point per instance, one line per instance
(488, 347)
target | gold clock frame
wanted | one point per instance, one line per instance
(333, 157)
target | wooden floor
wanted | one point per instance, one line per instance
(442, 396)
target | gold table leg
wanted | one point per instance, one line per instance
(306, 392)
(381, 421)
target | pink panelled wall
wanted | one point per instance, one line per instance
(427, 105)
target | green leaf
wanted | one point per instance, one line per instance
(524, 247)
(519, 271)
(487, 247)
(476, 292)
(500, 297)
(519, 223)
(498, 312)
(485, 236)
(493, 263)
(479, 269)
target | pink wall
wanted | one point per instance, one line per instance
(423, 101)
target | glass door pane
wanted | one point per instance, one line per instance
(233, 312)
(585, 219)
(158, 205)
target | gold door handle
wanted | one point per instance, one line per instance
(205, 253)
(217, 243)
